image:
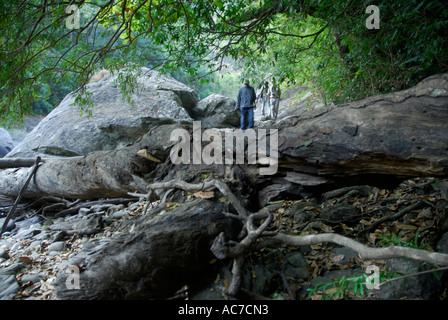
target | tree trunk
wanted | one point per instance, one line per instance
(400, 135)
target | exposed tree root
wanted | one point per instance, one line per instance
(255, 226)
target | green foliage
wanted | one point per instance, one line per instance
(343, 60)
(347, 287)
(322, 43)
(394, 239)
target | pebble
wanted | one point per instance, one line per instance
(4, 254)
(28, 231)
(33, 277)
(16, 246)
(119, 214)
(57, 246)
(10, 226)
(84, 211)
(8, 286)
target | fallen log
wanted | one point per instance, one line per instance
(102, 174)
(399, 135)
(16, 162)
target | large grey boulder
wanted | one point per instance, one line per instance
(217, 111)
(6, 143)
(114, 123)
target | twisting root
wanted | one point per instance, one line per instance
(252, 231)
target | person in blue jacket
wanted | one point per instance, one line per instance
(246, 104)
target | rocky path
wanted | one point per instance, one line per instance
(36, 248)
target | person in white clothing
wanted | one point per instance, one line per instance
(274, 94)
(264, 97)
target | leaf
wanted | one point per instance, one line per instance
(224, 200)
(171, 205)
(218, 4)
(225, 282)
(26, 260)
(204, 194)
(276, 296)
(338, 258)
(143, 153)
(326, 228)
(406, 227)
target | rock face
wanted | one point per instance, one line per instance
(6, 144)
(217, 111)
(114, 123)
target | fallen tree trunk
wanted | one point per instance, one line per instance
(16, 162)
(102, 174)
(402, 135)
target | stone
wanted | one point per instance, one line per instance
(28, 222)
(217, 111)
(423, 286)
(34, 246)
(83, 211)
(346, 252)
(296, 259)
(6, 143)
(4, 254)
(296, 272)
(300, 212)
(296, 266)
(330, 276)
(57, 246)
(28, 232)
(342, 254)
(258, 280)
(339, 211)
(10, 226)
(14, 268)
(16, 246)
(442, 244)
(8, 286)
(89, 222)
(119, 214)
(114, 123)
(34, 278)
(112, 209)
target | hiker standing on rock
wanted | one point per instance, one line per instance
(246, 104)
(274, 94)
(264, 96)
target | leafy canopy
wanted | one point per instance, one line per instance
(322, 43)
